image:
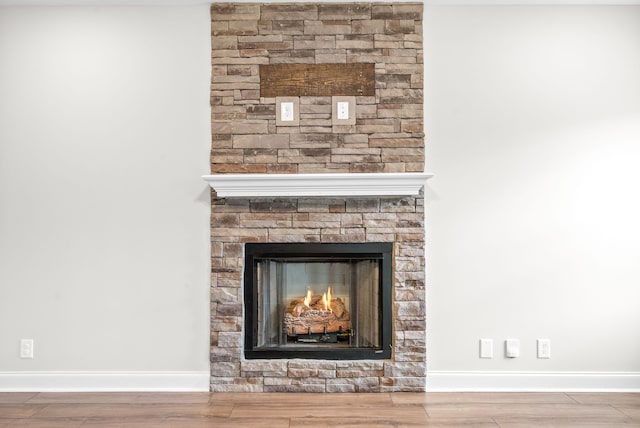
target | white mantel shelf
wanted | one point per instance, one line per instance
(326, 185)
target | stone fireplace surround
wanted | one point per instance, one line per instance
(386, 139)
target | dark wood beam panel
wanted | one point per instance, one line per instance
(317, 80)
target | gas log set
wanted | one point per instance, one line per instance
(317, 319)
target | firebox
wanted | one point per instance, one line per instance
(318, 300)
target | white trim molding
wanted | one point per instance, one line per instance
(63, 381)
(292, 185)
(438, 381)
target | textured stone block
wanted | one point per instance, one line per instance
(314, 42)
(409, 309)
(354, 42)
(397, 11)
(228, 339)
(225, 295)
(219, 354)
(410, 264)
(327, 27)
(266, 220)
(256, 127)
(242, 28)
(344, 11)
(288, 12)
(367, 27)
(393, 154)
(225, 369)
(364, 384)
(409, 295)
(272, 366)
(405, 369)
(238, 168)
(240, 61)
(274, 205)
(261, 141)
(234, 11)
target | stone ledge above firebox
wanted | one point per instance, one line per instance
(271, 185)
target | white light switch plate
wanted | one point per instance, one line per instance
(512, 348)
(486, 348)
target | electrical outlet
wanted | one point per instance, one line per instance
(486, 348)
(343, 110)
(26, 348)
(286, 112)
(512, 348)
(544, 348)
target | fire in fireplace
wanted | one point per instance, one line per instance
(317, 300)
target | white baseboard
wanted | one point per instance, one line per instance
(533, 381)
(37, 381)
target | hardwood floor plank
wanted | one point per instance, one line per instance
(18, 410)
(44, 423)
(119, 397)
(613, 399)
(173, 397)
(520, 410)
(480, 397)
(632, 411)
(125, 423)
(567, 423)
(320, 411)
(83, 397)
(392, 422)
(124, 412)
(279, 398)
(16, 397)
(219, 422)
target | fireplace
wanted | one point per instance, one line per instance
(299, 204)
(318, 300)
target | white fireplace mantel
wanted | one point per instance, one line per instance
(352, 184)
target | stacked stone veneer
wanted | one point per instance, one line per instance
(387, 137)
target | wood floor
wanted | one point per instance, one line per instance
(283, 410)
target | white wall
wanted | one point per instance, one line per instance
(533, 133)
(104, 219)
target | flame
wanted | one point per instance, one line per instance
(307, 299)
(326, 298)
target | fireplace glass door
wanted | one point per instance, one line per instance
(317, 300)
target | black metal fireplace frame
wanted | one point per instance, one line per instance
(339, 251)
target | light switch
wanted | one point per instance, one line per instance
(286, 112)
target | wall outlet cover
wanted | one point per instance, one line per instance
(544, 348)
(486, 348)
(26, 348)
(512, 348)
(343, 111)
(287, 111)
